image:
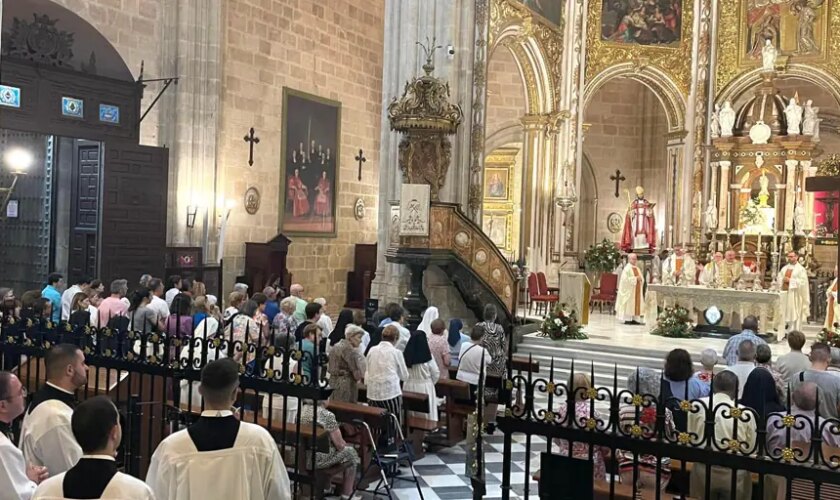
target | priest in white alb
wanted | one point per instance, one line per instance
(219, 456)
(630, 303)
(832, 308)
(796, 303)
(17, 479)
(679, 268)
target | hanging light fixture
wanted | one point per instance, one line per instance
(18, 160)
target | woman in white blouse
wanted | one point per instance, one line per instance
(385, 369)
(423, 372)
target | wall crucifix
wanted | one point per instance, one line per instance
(361, 159)
(251, 140)
(617, 178)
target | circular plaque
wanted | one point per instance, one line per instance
(760, 133)
(614, 222)
(252, 200)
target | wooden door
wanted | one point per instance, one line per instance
(84, 209)
(134, 196)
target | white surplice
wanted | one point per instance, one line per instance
(796, 303)
(630, 303)
(832, 309)
(46, 437)
(251, 470)
(121, 487)
(13, 480)
(675, 266)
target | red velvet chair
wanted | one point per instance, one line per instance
(607, 291)
(535, 295)
(544, 288)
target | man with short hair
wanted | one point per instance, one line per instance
(272, 308)
(324, 321)
(795, 361)
(396, 317)
(17, 478)
(113, 305)
(749, 331)
(796, 303)
(81, 285)
(630, 302)
(745, 364)
(828, 384)
(803, 409)
(51, 292)
(725, 431)
(313, 314)
(46, 437)
(219, 456)
(96, 426)
(158, 304)
(296, 291)
(175, 284)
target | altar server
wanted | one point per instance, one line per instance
(832, 309)
(796, 303)
(631, 295)
(17, 480)
(679, 266)
(219, 456)
(46, 436)
(96, 426)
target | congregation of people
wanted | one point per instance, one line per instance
(380, 354)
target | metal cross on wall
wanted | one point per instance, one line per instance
(251, 139)
(361, 159)
(617, 178)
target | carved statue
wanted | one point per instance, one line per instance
(764, 193)
(726, 118)
(811, 121)
(793, 112)
(768, 56)
(799, 219)
(714, 123)
(711, 215)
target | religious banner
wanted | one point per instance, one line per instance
(310, 164)
(414, 210)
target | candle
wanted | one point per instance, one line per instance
(758, 248)
(743, 241)
(775, 241)
(671, 234)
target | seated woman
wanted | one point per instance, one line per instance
(580, 386)
(346, 365)
(340, 453)
(645, 382)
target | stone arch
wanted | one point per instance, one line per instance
(652, 77)
(748, 80)
(531, 60)
(506, 135)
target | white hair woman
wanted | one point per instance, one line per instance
(347, 366)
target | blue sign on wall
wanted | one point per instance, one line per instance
(72, 107)
(9, 96)
(109, 113)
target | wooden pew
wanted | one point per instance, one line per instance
(415, 428)
(456, 413)
(349, 412)
(519, 363)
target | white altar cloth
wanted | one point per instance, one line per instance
(765, 305)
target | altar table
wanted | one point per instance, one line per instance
(765, 305)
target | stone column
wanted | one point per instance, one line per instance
(790, 193)
(678, 209)
(535, 161)
(189, 113)
(725, 200)
(406, 23)
(712, 195)
(809, 170)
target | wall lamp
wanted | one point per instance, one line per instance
(18, 160)
(192, 210)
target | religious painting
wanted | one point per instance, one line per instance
(497, 183)
(310, 164)
(826, 216)
(794, 27)
(642, 22)
(551, 10)
(497, 226)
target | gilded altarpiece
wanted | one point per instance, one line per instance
(804, 31)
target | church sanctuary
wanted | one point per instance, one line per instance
(419, 249)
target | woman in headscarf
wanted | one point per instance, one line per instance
(430, 315)
(345, 317)
(197, 352)
(422, 372)
(346, 365)
(760, 394)
(645, 382)
(456, 338)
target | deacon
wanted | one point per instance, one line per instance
(796, 303)
(219, 456)
(832, 310)
(96, 426)
(17, 479)
(46, 436)
(629, 306)
(679, 267)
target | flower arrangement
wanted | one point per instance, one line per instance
(562, 324)
(829, 337)
(602, 257)
(674, 322)
(751, 215)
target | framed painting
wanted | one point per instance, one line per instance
(497, 226)
(497, 184)
(653, 22)
(551, 10)
(309, 164)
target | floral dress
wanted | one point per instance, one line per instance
(326, 420)
(647, 423)
(581, 450)
(496, 344)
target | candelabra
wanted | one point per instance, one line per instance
(757, 285)
(728, 238)
(774, 264)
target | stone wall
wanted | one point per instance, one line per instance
(506, 104)
(628, 127)
(330, 49)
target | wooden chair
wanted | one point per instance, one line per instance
(544, 288)
(536, 296)
(606, 292)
